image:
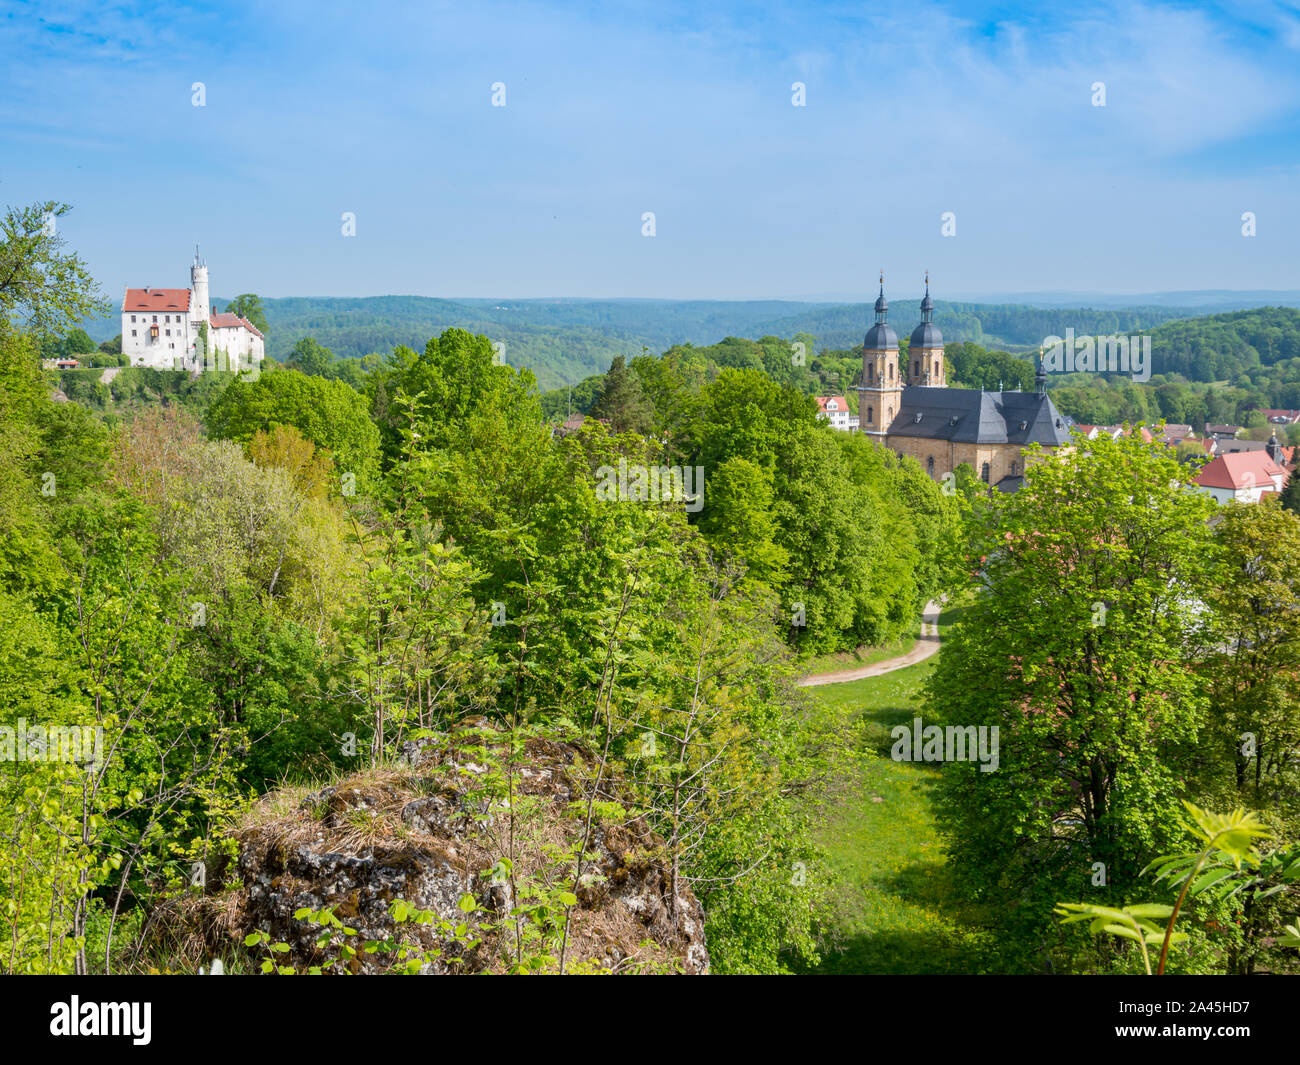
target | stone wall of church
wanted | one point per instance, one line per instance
(1005, 460)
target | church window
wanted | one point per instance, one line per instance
(936, 367)
(929, 465)
(984, 473)
(870, 412)
(891, 371)
(916, 368)
(1015, 468)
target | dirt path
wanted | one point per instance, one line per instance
(926, 645)
(108, 375)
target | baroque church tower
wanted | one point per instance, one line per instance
(881, 391)
(925, 365)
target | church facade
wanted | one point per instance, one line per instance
(911, 410)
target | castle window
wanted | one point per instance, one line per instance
(155, 318)
(133, 318)
(984, 473)
(169, 332)
(133, 332)
(1015, 468)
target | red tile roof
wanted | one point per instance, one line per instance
(1240, 469)
(232, 321)
(156, 299)
(841, 404)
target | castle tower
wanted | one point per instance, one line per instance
(925, 365)
(880, 394)
(200, 309)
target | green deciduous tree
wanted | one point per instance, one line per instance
(45, 288)
(249, 305)
(328, 413)
(311, 357)
(1078, 649)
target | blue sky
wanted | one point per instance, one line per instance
(612, 110)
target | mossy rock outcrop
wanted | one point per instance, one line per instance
(434, 830)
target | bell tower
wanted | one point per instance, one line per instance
(925, 363)
(880, 394)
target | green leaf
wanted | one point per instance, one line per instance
(1150, 909)
(1124, 931)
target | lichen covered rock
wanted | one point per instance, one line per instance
(438, 829)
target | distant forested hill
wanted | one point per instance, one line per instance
(564, 341)
(990, 324)
(1219, 347)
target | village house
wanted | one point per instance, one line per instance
(835, 409)
(1242, 476)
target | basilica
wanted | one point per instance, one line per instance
(912, 411)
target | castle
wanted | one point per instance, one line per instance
(163, 328)
(913, 412)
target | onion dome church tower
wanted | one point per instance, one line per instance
(925, 348)
(881, 391)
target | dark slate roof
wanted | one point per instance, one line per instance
(965, 416)
(881, 337)
(926, 335)
(1229, 447)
